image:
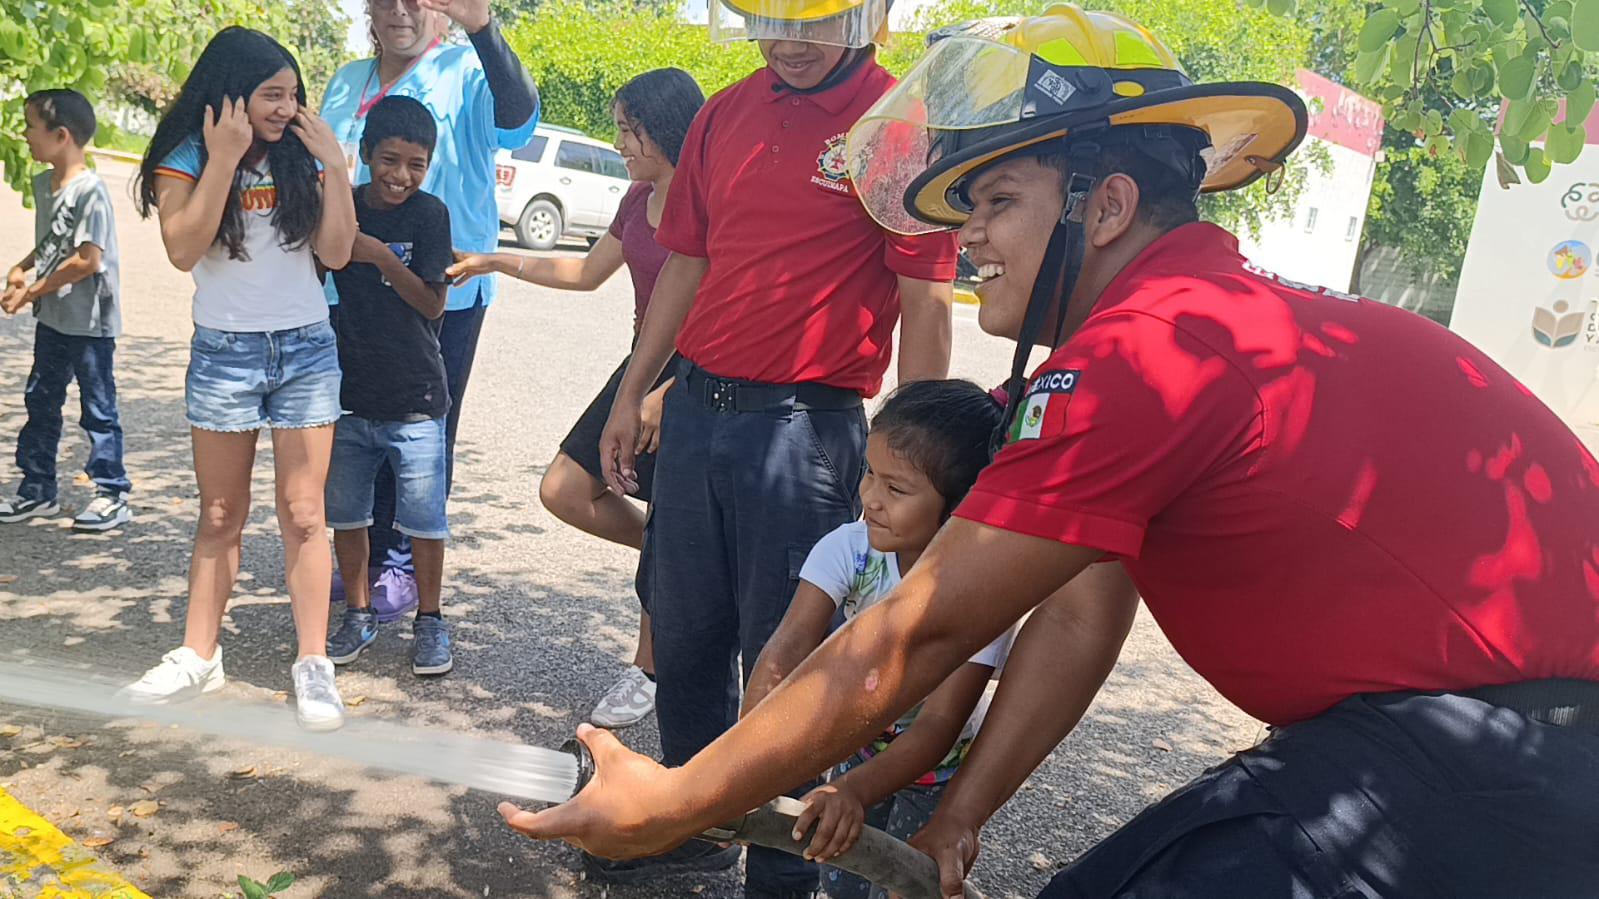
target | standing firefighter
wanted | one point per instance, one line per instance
(781, 295)
(1351, 522)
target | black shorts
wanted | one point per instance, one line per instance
(582, 443)
(1419, 796)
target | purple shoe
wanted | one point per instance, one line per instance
(337, 595)
(394, 595)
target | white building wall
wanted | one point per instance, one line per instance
(1318, 243)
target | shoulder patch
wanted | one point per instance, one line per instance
(1043, 407)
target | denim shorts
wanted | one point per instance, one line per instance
(243, 380)
(414, 450)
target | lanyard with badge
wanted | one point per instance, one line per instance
(351, 144)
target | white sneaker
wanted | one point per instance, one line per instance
(103, 513)
(627, 702)
(316, 700)
(181, 676)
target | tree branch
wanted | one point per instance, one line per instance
(1547, 39)
(1426, 27)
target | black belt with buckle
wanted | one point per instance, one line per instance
(733, 395)
(1560, 701)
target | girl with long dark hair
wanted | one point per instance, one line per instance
(652, 112)
(251, 191)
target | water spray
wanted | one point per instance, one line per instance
(513, 770)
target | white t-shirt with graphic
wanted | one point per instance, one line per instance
(844, 566)
(275, 288)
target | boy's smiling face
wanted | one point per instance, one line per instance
(802, 65)
(398, 168)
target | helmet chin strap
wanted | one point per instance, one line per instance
(1057, 277)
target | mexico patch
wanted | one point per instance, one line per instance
(1043, 408)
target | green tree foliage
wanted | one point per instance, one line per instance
(1424, 197)
(580, 56)
(1444, 68)
(1422, 204)
(581, 53)
(137, 50)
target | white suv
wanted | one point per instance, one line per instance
(562, 184)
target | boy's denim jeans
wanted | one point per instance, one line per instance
(58, 359)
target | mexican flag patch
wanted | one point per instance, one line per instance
(1043, 408)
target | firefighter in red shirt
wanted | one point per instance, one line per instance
(1351, 522)
(781, 296)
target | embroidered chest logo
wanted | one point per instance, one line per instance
(832, 170)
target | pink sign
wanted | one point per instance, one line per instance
(1339, 115)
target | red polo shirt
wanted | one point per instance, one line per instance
(801, 284)
(1316, 495)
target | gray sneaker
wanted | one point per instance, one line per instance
(430, 646)
(359, 629)
(18, 509)
(627, 702)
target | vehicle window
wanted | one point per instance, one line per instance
(611, 164)
(573, 155)
(534, 151)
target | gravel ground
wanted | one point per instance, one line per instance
(543, 618)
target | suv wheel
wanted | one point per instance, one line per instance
(540, 226)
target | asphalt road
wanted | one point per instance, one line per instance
(543, 619)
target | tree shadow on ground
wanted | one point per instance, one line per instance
(534, 649)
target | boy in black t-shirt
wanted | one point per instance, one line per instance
(391, 299)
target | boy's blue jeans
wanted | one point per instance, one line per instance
(58, 359)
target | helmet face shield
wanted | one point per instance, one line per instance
(994, 87)
(963, 83)
(841, 23)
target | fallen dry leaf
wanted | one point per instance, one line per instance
(145, 808)
(354, 701)
(8, 579)
(9, 730)
(227, 827)
(243, 772)
(1040, 861)
(281, 696)
(97, 842)
(67, 742)
(1162, 745)
(115, 812)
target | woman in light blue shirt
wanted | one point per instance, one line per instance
(484, 101)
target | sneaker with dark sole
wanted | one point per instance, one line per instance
(358, 631)
(18, 509)
(693, 857)
(105, 512)
(430, 646)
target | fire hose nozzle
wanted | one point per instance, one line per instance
(876, 856)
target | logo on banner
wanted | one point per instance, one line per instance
(1556, 327)
(1569, 260)
(1581, 201)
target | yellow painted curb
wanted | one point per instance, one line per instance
(962, 295)
(37, 860)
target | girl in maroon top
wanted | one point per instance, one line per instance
(653, 112)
